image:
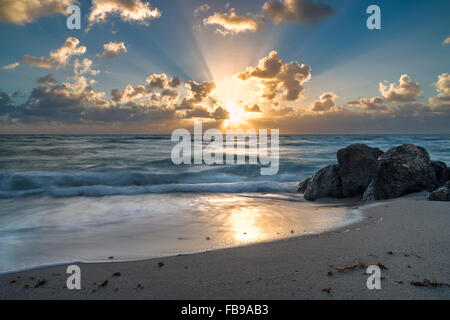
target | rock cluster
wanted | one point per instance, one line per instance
(376, 175)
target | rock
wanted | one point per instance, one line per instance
(303, 185)
(439, 168)
(445, 176)
(357, 165)
(441, 194)
(402, 170)
(325, 183)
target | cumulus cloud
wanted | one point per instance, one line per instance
(442, 100)
(128, 94)
(221, 114)
(232, 23)
(174, 82)
(198, 93)
(112, 49)
(406, 91)
(446, 41)
(84, 67)
(278, 77)
(254, 108)
(157, 88)
(21, 12)
(370, 104)
(157, 81)
(128, 10)
(298, 11)
(59, 57)
(198, 112)
(11, 66)
(326, 102)
(203, 8)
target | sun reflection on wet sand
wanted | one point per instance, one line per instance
(145, 226)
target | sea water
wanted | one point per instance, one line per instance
(70, 198)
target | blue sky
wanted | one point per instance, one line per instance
(344, 56)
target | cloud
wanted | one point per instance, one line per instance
(198, 93)
(278, 77)
(112, 49)
(58, 58)
(21, 12)
(221, 114)
(157, 88)
(157, 81)
(442, 100)
(11, 66)
(406, 91)
(231, 23)
(254, 108)
(174, 82)
(198, 112)
(326, 102)
(298, 11)
(128, 94)
(84, 67)
(203, 8)
(370, 104)
(46, 81)
(446, 41)
(128, 10)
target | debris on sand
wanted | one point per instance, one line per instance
(428, 283)
(111, 257)
(160, 264)
(399, 281)
(139, 286)
(330, 273)
(360, 265)
(27, 286)
(13, 281)
(208, 238)
(40, 283)
(327, 290)
(117, 274)
(104, 283)
(381, 266)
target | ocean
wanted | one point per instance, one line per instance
(68, 198)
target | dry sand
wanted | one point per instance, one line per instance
(410, 236)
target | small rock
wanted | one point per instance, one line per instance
(441, 194)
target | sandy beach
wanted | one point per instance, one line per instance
(408, 236)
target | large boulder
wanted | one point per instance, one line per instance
(439, 168)
(357, 166)
(403, 169)
(303, 185)
(325, 183)
(441, 194)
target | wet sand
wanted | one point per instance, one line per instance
(409, 236)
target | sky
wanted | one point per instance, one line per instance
(300, 66)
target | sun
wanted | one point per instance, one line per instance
(236, 113)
